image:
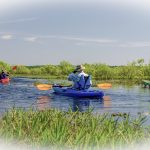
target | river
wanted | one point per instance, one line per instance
(21, 93)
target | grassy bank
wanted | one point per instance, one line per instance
(73, 129)
(135, 70)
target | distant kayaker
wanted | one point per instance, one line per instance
(4, 75)
(80, 79)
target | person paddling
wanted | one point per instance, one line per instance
(81, 80)
(4, 75)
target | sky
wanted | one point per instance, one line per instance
(40, 32)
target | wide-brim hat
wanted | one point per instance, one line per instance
(79, 68)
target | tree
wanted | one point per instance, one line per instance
(65, 67)
(4, 66)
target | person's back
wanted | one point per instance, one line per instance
(80, 79)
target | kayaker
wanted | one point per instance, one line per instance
(80, 79)
(4, 75)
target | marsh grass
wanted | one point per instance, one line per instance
(73, 129)
(63, 80)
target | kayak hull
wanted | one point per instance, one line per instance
(146, 83)
(4, 81)
(66, 91)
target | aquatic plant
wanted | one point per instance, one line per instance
(73, 129)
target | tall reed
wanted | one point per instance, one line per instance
(73, 129)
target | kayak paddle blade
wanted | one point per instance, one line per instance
(104, 85)
(44, 86)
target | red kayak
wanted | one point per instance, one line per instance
(4, 81)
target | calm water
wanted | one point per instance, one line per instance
(22, 93)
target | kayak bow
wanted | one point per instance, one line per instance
(4, 81)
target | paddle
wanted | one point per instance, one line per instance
(14, 67)
(44, 86)
(104, 85)
(49, 86)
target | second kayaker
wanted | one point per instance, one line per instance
(4, 75)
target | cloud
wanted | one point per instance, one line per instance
(91, 40)
(79, 43)
(83, 40)
(7, 37)
(136, 44)
(19, 20)
(30, 39)
(79, 39)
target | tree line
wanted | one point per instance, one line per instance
(135, 70)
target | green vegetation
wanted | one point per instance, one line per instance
(135, 70)
(73, 129)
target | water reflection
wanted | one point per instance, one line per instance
(81, 105)
(43, 102)
(76, 104)
(85, 104)
(107, 101)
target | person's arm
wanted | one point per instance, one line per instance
(70, 77)
(73, 77)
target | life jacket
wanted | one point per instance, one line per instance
(83, 83)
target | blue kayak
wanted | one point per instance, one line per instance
(67, 91)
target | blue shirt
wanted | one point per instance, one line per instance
(79, 80)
